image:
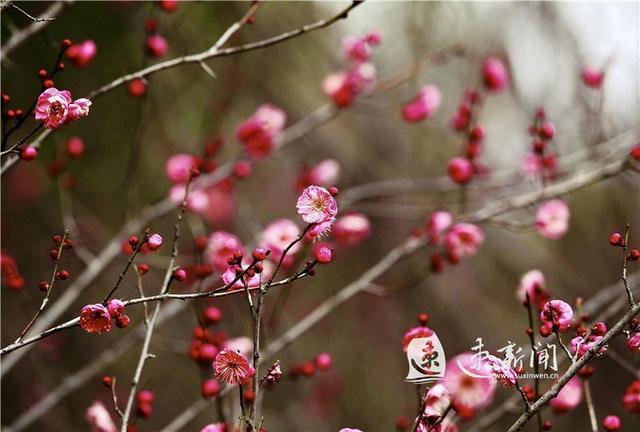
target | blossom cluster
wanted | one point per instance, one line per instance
(55, 108)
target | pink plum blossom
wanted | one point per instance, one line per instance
(437, 224)
(534, 283)
(95, 318)
(556, 314)
(260, 132)
(278, 235)
(464, 239)
(221, 246)
(415, 332)
(569, 397)
(424, 105)
(197, 201)
(214, 427)
(495, 74)
(232, 367)
(501, 372)
(352, 228)
(55, 107)
(552, 219)
(157, 46)
(356, 49)
(324, 173)
(99, 418)
(468, 391)
(178, 167)
(82, 53)
(634, 343)
(52, 107)
(316, 205)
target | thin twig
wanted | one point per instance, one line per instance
(574, 369)
(592, 412)
(624, 265)
(52, 282)
(168, 278)
(22, 35)
(114, 396)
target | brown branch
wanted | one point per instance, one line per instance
(166, 285)
(574, 369)
(39, 23)
(52, 282)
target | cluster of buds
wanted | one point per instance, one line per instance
(586, 339)
(541, 161)
(96, 318)
(144, 403)
(206, 344)
(455, 242)
(343, 87)
(61, 243)
(322, 362)
(618, 240)
(261, 131)
(462, 168)
(9, 113)
(155, 45)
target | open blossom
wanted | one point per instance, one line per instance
(634, 343)
(81, 54)
(221, 246)
(95, 319)
(55, 108)
(324, 173)
(437, 401)
(569, 397)
(556, 314)
(178, 167)
(424, 105)
(464, 239)
(465, 390)
(260, 132)
(352, 228)
(356, 49)
(580, 345)
(495, 74)
(319, 230)
(501, 372)
(98, 417)
(437, 224)
(232, 367)
(197, 201)
(415, 332)
(214, 427)
(316, 205)
(343, 87)
(552, 219)
(534, 284)
(278, 235)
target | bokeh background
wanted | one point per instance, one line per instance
(128, 140)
